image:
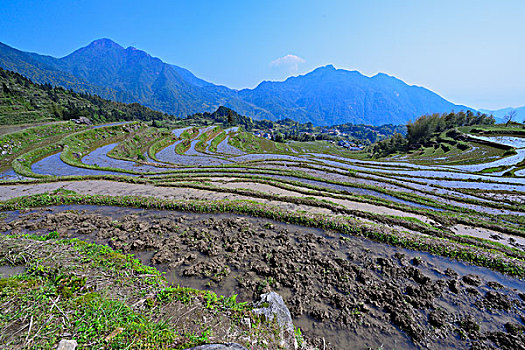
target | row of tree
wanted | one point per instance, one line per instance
(423, 130)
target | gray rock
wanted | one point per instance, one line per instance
(66, 344)
(272, 305)
(83, 120)
(226, 346)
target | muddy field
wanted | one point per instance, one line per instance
(344, 292)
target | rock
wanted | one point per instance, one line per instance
(451, 273)
(138, 244)
(453, 285)
(246, 321)
(495, 285)
(472, 291)
(82, 120)
(272, 305)
(495, 300)
(66, 344)
(496, 237)
(469, 324)
(438, 318)
(514, 328)
(163, 256)
(473, 280)
(226, 346)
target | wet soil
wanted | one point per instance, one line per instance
(345, 292)
(7, 271)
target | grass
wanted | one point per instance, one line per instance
(250, 143)
(216, 141)
(160, 144)
(134, 146)
(190, 134)
(107, 300)
(14, 144)
(78, 144)
(73, 147)
(257, 175)
(205, 137)
(57, 298)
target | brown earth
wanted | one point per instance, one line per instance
(344, 292)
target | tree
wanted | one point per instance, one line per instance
(5, 89)
(508, 118)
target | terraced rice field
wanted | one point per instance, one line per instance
(445, 213)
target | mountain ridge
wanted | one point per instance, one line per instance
(500, 114)
(326, 95)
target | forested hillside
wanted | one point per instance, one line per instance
(22, 101)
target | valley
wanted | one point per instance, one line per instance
(262, 175)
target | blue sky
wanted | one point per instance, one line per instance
(470, 52)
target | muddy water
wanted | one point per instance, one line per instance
(477, 185)
(169, 155)
(225, 148)
(269, 157)
(450, 172)
(354, 190)
(177, 159)
(511, 160)
(354, 293)
(53, 165)
(513, 141)
(10, 174)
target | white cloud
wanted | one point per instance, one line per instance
(290, 62)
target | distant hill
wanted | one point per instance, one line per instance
(328, 96)
(324, 96)
(500, 114)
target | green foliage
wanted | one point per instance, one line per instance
(424, 131)
(26, 102)
(298, 336)
(209, 298)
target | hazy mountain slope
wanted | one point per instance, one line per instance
(147, 79)
(46, 69)
(324, 96)
(330, 96)
(500, 114)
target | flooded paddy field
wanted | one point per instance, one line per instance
(344, 289)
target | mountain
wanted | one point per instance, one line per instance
(47, 69)
(324, 96)
(328, 96)
(500, 114)
(126, 75)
